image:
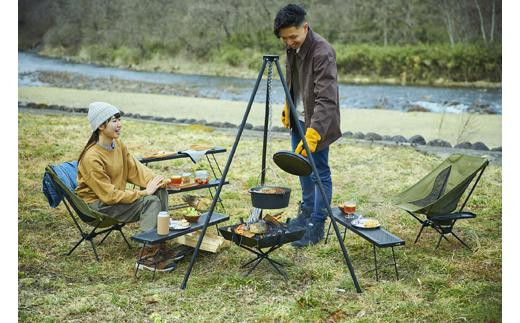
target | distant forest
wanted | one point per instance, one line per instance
(424, 38)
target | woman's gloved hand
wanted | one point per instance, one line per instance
(164, 183)
(285, 115)
(312, 137)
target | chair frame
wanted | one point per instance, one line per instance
(444, 229)
(85, 235)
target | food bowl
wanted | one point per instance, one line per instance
(191, 215)
(270, 197)
(192, 218)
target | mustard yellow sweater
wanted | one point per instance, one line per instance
(103, 175)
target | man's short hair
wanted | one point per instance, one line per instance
(289, 16)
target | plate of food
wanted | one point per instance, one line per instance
(366, 223)
(179, 224)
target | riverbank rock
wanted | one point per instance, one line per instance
(463, 145)
(280, 129)
(399, 139)
(481, 108)
(416, 108)
(373, 136)
(216, 124)
(439, 143)
(359, 135)
(479, 146)
(228, 125)
(417, 140)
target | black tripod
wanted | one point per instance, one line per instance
(269, 59)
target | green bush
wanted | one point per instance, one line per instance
(232, 56)
(461, 63)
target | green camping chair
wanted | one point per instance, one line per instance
(437, 195)
(87, 215)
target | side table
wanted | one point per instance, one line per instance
(377, 237)
(151, 237)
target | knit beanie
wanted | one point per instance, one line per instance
(99, 112)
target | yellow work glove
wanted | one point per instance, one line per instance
(285, 115)
(312, 137)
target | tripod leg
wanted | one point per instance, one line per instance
(224, 174)
(318, 180)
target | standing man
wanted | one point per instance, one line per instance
(312, 80)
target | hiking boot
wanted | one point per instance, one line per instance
(156, 264)
(176, 254)
(314, 233)
(160, 258)
(147, 252)
(304, 215)
(162, 250)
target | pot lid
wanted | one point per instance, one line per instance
(292, 163)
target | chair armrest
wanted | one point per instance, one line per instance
(453, 216)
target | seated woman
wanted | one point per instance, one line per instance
(105, 167)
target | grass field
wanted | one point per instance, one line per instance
(450, 127)
(451, 284)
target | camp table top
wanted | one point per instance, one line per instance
(151, 237)
(180, 154)
(379, 237)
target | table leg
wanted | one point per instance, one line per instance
(328, 233)
(375, 262)
(138, 260)
(395, 264)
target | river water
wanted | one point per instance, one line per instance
(434, 99)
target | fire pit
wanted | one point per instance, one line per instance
(276, 236)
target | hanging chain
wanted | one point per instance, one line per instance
(270, 122)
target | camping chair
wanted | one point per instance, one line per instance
(437, 195)
(89, 216)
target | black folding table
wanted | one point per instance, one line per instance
(377, 237)
(151, 237)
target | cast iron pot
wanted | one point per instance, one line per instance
(264, 200)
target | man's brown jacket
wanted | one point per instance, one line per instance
(319, 86)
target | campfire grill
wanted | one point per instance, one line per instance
(275, 237)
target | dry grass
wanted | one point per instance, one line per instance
(449, 285)
(485, 128)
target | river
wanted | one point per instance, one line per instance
(434, 99)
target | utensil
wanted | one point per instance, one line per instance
(292, 163)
